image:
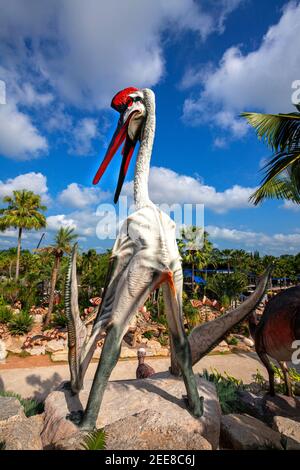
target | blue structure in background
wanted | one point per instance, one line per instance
(197, 279)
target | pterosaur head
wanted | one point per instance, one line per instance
(130, 104)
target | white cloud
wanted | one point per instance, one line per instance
(19, 138)
(32, 181)
(290, 205)
(167, 186)
(88, 50)
(84, 133)
(277, 243)
(55, 222)
(260, 79)
(79, 196)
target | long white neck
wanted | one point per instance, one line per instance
(142, 167)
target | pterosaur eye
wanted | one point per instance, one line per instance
(129, 102)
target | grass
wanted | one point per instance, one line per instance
(227, 388)
(31, 407)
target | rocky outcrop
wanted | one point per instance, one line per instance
(16, 431)
(243, 432)
(290, 429)
(3, 351)
(135, 401)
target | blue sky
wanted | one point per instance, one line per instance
(206, 61)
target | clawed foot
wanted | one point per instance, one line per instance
(196, 408)
(75, 417)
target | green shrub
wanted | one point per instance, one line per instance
(233, 341)
(148, 334)
(6, 314)
(60, 319)
(95, 440)
(227, 390)
(31, 407)
(21, 323)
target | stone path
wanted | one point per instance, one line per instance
(37, 382)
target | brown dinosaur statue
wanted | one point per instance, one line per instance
(275, 333)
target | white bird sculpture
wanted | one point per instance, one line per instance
(144, 256)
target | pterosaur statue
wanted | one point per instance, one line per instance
(277, 332)
(144, 256)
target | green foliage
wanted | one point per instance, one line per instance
(233, 341)
(60, 319)
(192, 315)
(21, 323)
(2, 445)
(227, 390)
(5, 314)
(95, 440)
(281, 132)
(148, 334)
(227, 287)
(31, 407)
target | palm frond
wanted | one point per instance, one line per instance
(276, 188)
(95, 440)
(277, 130)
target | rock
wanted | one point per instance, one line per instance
(127, 352)
(149, 430)
(3, 351)
(243, 432)
(55, 345)
(154, 345)
(250, 404)
(280, 405)
(221, 348)
(248, 342)
(11, 410)
(164, 352)
(21, 435)
(160, 394)
(14, 344)
(241, 346)
(36, 350)
(290, 429)
(38, 319)
(60, 356)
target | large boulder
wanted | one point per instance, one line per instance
(243, 432)
(131, 403)
(290, 429)
(3, 351)
(280, 405)
(16, 431)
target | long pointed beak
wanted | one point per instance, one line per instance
(116, 141)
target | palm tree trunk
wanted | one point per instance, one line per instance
(18, 253)
(54, 274)
(193, 277)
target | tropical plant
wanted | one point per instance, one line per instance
(227, 287)
(227, 390)
(23, 213)
(6, 314)
(94, 440)
(281, 133)
(62, 244)
(31, 407)
(60, 319)
(20, 323)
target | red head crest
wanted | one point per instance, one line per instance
(120, 100)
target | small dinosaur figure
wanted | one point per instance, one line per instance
(143, 370)
(274, 335)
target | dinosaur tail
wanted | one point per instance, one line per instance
(205, 337)
(77, 332)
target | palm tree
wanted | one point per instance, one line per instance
(22, 213)
(63, 240)
(281, 133)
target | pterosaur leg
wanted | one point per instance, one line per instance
(132, 291)
(173, 306)
(287, 381)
